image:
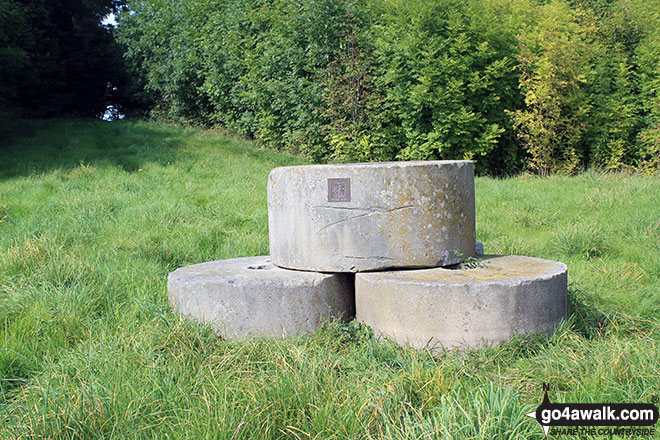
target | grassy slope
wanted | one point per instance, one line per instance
(97, 214)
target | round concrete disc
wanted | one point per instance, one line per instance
(250, 297)
(371, 216)
(444, 307)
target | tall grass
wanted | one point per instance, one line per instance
(94, 215)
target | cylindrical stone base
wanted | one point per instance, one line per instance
(443, 307)
(250, 297)
(371, 216)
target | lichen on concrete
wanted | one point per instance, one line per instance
(401, 215)
(445, 308)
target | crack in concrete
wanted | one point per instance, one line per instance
(368, 258)
(375, 209)
(370, 211)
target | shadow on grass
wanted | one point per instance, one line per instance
(39, 146)
(589, 322)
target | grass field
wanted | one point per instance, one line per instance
(94, 215)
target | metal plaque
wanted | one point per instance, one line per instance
(339, 190)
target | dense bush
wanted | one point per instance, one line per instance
(589, 93)
(447, 79)
(548, 86)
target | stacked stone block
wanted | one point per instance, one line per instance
(373, 216)
(383, 242)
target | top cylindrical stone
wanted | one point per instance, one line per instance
(370, 216)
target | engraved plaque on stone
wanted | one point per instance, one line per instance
(339, 190)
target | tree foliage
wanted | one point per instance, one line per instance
(56, 58)
(551, 86)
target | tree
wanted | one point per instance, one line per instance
(58, 58)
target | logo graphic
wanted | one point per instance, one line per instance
(339, 190)
(576, 415)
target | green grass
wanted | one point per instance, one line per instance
(94, 216)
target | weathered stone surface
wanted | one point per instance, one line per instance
(250, 296)
(360, 217)
(444, 307)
